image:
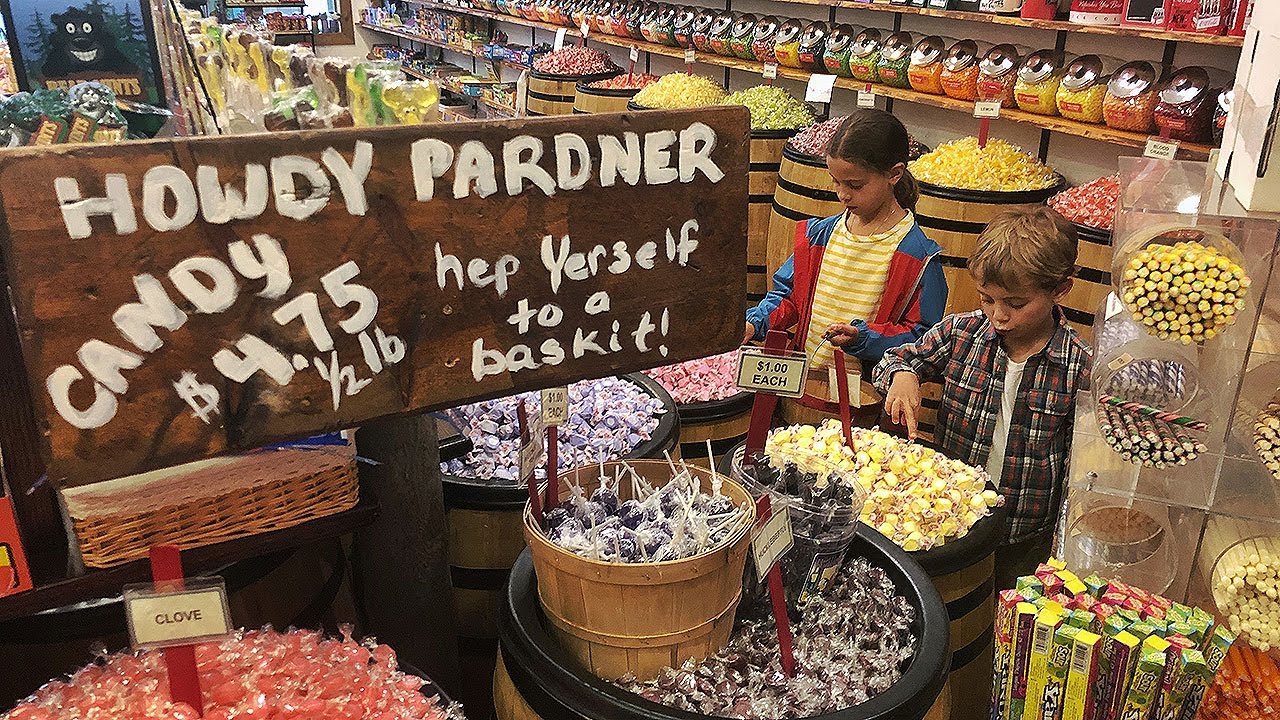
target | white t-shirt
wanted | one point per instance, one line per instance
(1000, 440)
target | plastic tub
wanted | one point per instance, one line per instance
(1187, 106)
(925, 72)
(762, 38)
(700, 30)
(998, 73)
(866, 55)
(1039, 78)
(1083, 88)
(786, 43)
(742, 35)
(721, 33)
(1132, 95)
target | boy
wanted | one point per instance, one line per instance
(1009, 375)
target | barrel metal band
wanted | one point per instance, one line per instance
(970, 652)
(551, 98)
(811, 193)
(971, 600)
(477, 579)
(960, 226)
(765, 167)
(1088, 274)
(788, 213)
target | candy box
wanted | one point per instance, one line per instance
(1047, 623)
(1189, 670)
(1215, 653)
(1097, 586)
(1031, 582)
(1044, 570)
(1145, 685)
(1023, 624)
(1153, 14)
(1199, 16)
(1057, 563)
(1114, 598)
(1006, 610)
(1082, 677)
(1059, 662)
(1120, 651)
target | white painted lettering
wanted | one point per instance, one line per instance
(657, 157)
(572, 150)
(619, 160)
(221, 204)
(696, 145)
(518, 170)
(104, 362)
(268, 262)
(430, 159)
(445, 264)
(208, 299)
(351, 177)
(597, 303)
(76, 210)
(58, 385)
(136, 321)
(474, 166)
(157, 184)
(284, 170)
(255, 354)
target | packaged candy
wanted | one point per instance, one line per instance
(1082, 677)
(762, 38)
(895, 60)
(998, 75)
(813, 46)
(721, 33)
(741, 36)
(1039, 77)
(635, 20)
(1187, 105)
(786, 43)
(1047, 623)
(839, 50)
(960, 71)
(925, 72)
(866, 55)
(649, 23)
(1132, 95)
(701, 30)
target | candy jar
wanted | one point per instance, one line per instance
(895, 60)
(762, 39)
(960, 71)
(786, 43)
(602, 21)
(1082, 90)
(925, 72)
(839, 49)
(664, 26)
(649, 23)
(578, 12)
(635, 19)
(1039, 77)
(1220, 113)
(1131, 98)
(813, 44)
(998, 74)
(1186, 106)
(866, 55)
(701, 30)
(741, 36)
(529, 9)
(682, 27)
(722, 33)
(618, 23)
(545, 10)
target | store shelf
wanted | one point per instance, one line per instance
(437, 43)
(457, 88)
(266, 5)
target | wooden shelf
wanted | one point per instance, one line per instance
(457, 88)
(437, 43)
(266, 5)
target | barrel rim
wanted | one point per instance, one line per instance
(555, 684)
(462, 493)
(632, 106)
(582, 87)
(429, 686)
(998, 197)
(712, 410)
(1089, 233)
(535, 74)
(780, 134)
(794, 155)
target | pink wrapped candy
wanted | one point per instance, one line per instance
(814, 139)
(701, 380)
(575, 61)
(1092, 204)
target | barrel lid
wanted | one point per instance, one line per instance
(1225, 99)
(897, 46)
(1000, 60)
(961, 55)
(788, 32)
(1040, 66)
(929, 50)
(1134, 78)
(815, 35)
(766, 27)
(1188, 85)
(702, 23)
(1083, 72)
(744, 25)
(723, 21)
(685, 17)
(841, 36)
(867, 42)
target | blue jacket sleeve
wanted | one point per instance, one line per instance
(872, 345)
(758, 316)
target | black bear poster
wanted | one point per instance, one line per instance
(64, 42)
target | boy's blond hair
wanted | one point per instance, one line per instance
(1026, 247)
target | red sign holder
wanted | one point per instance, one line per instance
(553, 469)
(842, 386)
(179, 660)
(531, 481)
(764, 511)
(765, 403)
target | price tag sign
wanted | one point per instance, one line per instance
(819, 88)
(180, 617)
(690, 55)
(555, 406)
(866, 99)
(770, 71)
(781, 374)
(855, 386)
(635, 54)
(772, 542)
(1161, 149)
(585, 28)
(986, 109)
(532, 451)
(1120, 362)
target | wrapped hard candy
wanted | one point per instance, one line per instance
(701, 380)
(1092, 204)
(576, 61)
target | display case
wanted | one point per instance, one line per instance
(1170, 487)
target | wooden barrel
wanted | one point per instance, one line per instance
(816, 406)
(485, 532)
(963, 573)
(804, 191)
(766, 158)
(954, 218)
(554, 94)
(619, 618)
(723, 422)
(589, 100)
(536, 678)
(1092, 280)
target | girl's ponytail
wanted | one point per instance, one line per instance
(907, 191)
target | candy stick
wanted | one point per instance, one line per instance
(1155, 413)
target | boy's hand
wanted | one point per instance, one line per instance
(903, 401)
(841, 335)
(749, 333)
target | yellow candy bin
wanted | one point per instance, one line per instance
(1082, 90)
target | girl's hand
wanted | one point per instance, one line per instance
(749, 333)
(841, 335)
(902, 404)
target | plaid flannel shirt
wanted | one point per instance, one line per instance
(965, 354)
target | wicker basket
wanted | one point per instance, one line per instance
(208, 502)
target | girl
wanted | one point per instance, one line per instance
(868, 279)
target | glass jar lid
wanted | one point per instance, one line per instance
(684, 17)
(702, 23)
(928, 51)
(1225, 99)
(650, 14)
(961, 55)
(1132, 79)
(1040, 66)
(815, 36)
(723, 22)
(840, 38)
(744, 25)
(1186, 86)
(766, 27)
(635, 10)
(1082, 73)
(666, 16)
(789, 32)
(897, 46)
(1000, 60)
(867, 42)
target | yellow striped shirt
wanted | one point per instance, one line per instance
(851, 281)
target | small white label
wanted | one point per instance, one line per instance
(555, 406)
(781, 374)
(1120, 362)
(532, 451)
(855, 386)
(770, 71)
(819, 88)
(585, 28)
(635, 54)
(986, 109)
(560, 35)
(1114, 306)
(1161, 149)
(772, 541)
(180, 617)
(690, 55)
(866, 99)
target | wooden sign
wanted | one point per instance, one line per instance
(181, 299)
